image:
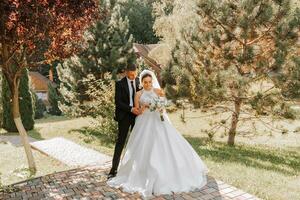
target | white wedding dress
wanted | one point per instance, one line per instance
(158, 159)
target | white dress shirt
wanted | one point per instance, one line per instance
(130, 91)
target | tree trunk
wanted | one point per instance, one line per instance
(20, 127)
(234, 121)
(51, 78)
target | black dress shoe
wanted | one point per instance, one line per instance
(111, 175)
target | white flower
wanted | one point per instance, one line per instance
(158, 104)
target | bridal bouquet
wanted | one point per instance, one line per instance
(159, 104)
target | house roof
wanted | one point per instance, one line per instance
(40, 82)
(142, 50)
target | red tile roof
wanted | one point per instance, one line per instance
(143, 51)
(39, 82)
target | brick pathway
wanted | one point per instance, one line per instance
(89, 183)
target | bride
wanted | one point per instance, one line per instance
(157, 160)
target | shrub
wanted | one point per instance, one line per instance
(54, 98)
(39, 107)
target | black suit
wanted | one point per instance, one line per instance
(124, 117)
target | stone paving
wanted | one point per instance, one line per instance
(70, 153)
(14, 139)
(90, 183)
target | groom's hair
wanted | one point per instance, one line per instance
(131, 67)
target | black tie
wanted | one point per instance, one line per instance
(133, 91)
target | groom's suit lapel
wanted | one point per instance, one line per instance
(125, 85)
(137, 84)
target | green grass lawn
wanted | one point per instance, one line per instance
(269, 172)
(79, 130)
(13, 164)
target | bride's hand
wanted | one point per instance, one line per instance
(144, 107)
(160, 92)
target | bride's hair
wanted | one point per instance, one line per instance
(146, 75)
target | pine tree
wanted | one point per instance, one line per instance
(234, 45)
(109, 50)
(289, 81)
(39, 106)
(109, 44)
(26, 104)
(141, 20)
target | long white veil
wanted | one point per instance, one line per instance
(155, 82)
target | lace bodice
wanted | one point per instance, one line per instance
(147, 97)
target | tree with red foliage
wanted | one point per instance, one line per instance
(34, 32)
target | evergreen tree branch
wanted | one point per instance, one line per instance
(224, 27)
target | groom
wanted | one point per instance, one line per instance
(125, 114)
